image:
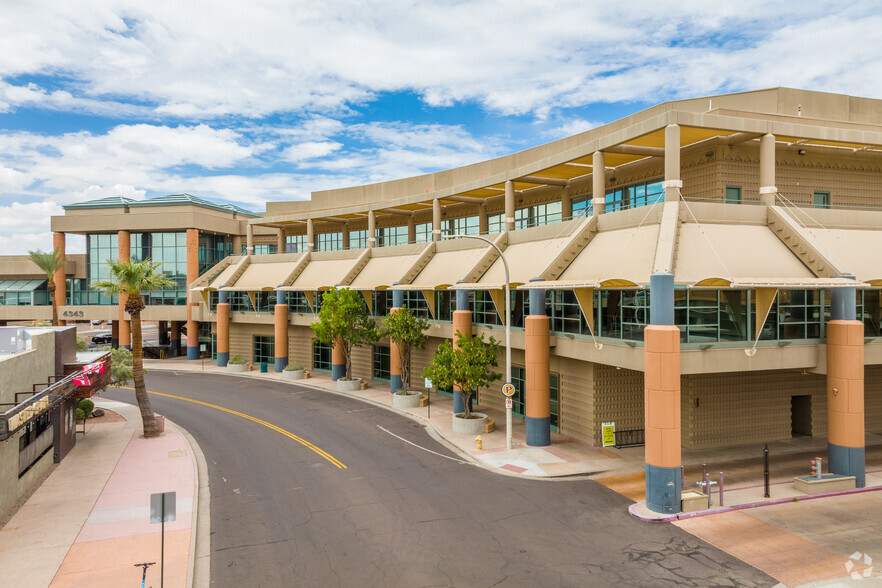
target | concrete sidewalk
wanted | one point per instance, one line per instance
(88, 523)
(764, 534)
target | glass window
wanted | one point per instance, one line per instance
(822, 199)
(264, 349)
(538, 214)
(468, 225)
(416, 302)
(382, 302)
(298, 303)
(519, 379)
(733, 194)
(295, 243)
(381, 362)
(358, 239)
(423, 233)
(565, 314)
(263, 249)
(444, 305)
(321, 356)
(328, 241)
(582, 207)
(554, 389)
(495, 223)
(634, 195)
(388, 236)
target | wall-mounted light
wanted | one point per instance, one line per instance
(709, 153)
(801, 151)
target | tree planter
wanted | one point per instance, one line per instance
(236, 367)
(348, 385)
(472, 426)
(409, 400)
(292, 374)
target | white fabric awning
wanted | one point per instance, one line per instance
(262, 276)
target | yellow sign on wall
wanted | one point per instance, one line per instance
(609, 434)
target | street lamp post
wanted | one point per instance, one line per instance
(507, 326)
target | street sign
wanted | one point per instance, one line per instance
(508, 389)
(159, 512)
(608, 433)
(508, 402)
(428, 382)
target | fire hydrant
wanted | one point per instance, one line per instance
(479, 442)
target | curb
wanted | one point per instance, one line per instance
(721, 509)
(199, 574)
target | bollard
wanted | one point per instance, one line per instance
(707, 489)
(683, 477)
(721, 489)
(479, 442)
(766, 470)
(817, 468)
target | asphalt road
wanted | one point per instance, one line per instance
(402, 514)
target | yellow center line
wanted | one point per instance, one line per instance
(288, 434)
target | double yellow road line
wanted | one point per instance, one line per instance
(288, 434)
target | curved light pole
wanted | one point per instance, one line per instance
(507, 325)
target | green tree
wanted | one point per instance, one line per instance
(467, 366)
(132, 278)
(50, 263)
(344, 320)
(120, 367)
(408, 332)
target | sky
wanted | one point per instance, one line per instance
(266, 100)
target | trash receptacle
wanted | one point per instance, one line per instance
(263, 367)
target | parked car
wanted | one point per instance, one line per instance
(102, 339)
(97, 321)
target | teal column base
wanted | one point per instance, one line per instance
(281, 362)
(663, 489)
(192, 352)
(848, 461)
(223, 359)
(337, 372)
(538, 431)
(395, 383)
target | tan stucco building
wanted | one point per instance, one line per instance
(705, 272)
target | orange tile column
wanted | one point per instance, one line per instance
(223, 329)
(537, 354)
(395, 381)
(124, 246)
(462, 323)
(338, 361)
(661, 366)
(280, 314)
(845, 388)
(60, 278)
(192, 274)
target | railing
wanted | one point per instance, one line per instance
(20, 415)
(630, 438)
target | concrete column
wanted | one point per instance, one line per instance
(223, 329)
(395, 380)
(509, 205)
(768, 189)
(114, 334)
(672, 183)
(411, 230)
(281, 332)
(310, 236)
(192, 274)
(338, 361)
(60, 278)
(249, 240)
(163, 333)
(598, 177)
(483, 224)
(175, 343)
(462, 323)
(344, 243)
(537, 354)
(280, 246)
(436, 220)
(124, 247)
(845, 388)
(566, 203)
(661, 359)
(372, 229)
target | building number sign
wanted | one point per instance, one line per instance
(72, 313)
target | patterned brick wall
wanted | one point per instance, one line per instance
(618, 397)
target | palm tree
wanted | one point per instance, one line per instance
(132, 278)
(50, 263)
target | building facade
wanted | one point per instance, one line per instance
(705, 272)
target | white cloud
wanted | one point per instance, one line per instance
(310, 150)
(278, 56)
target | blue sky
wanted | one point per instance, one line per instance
(250, 102)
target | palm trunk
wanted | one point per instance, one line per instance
(54, 302)
(147, 419)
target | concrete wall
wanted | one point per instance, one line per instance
(18, 373)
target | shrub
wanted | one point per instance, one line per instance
(81, 416)
(293, 367)
(237, 359)
(87, 406)
(82, 344)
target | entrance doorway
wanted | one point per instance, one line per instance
(801, 416)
